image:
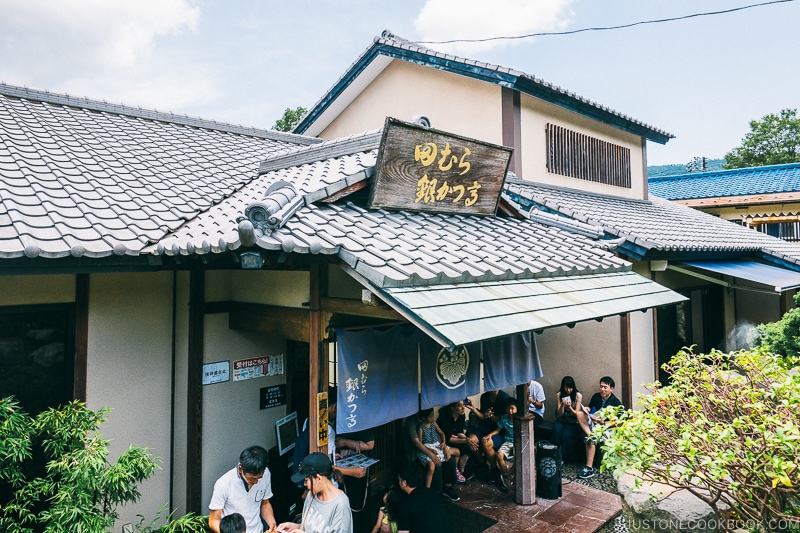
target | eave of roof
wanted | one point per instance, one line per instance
(397, 48)
(657, 228)
(86, 179)
(151, 114)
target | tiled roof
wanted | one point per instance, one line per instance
(393, 248)
(81, 177)
(391, 45)
(657, 226)
(772, 179)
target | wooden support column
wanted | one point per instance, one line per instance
(317, 356)
(512, 127)
(626, 352)
(194, 413)
(524, 461)
(81, 337)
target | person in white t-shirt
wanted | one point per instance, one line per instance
(245, 489)
(536, 402)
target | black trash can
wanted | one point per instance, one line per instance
(548, 470)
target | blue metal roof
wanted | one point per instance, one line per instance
(770, 179)
(395, 47)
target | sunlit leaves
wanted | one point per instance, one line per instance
(727, 427)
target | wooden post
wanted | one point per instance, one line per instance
(626, 354)
(194, 400)
(524, 461)
(81, 336)
(317, 356)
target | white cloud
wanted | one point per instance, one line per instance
(45, 40)
(441, 20)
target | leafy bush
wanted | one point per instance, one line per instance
(727, 429)
(55, 476)
(783, 336)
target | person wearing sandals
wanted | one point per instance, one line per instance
(326, 508)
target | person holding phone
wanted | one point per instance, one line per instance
(566, 431)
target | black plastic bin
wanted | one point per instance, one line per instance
(548, 470)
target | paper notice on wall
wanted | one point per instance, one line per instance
(257, 367)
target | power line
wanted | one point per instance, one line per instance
(603, 28)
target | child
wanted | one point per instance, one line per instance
(387, 515)
(506, 426)
(233, 523)
(434, 440)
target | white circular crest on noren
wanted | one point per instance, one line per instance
(451, 367)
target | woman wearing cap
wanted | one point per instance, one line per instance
(326, 509)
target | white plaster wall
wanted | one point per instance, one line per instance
(218, 285)
(534, 116)
(129, 370)
(342, 285)
(281, 288)
(587, 352)
(28, 290)
(752, 309)
(232, 420)
(643, 358)
(454, 103)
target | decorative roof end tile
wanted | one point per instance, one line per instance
(279, 204)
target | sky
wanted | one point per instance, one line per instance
(703, 79)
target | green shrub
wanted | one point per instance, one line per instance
(55, 476)
(727, 429)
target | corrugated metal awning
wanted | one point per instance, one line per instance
(466, 312)
(780, 279)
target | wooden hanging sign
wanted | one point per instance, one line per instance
(423, 169)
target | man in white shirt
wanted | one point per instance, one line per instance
(246, 489)
(536, 402)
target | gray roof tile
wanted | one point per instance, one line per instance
(69, 155)
(394, 247)
(657, 225)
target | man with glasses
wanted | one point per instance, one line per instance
(245, 489)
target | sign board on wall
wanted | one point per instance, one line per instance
(216, 372)
(423, 169)
(322, 430)
(272, 396)
(256, 367)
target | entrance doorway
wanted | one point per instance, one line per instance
(698, 322)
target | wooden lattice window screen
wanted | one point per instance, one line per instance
(576, 155)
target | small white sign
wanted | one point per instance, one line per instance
(216, 372)
(256, 367)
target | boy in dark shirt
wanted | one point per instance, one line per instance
(591, 415)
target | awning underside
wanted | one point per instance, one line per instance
(468, 312)
(780, 279)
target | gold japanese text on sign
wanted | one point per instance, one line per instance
(322, 419)
(422, 169)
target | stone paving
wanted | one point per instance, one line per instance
(585, 506)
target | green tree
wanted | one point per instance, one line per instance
(773, 140)
(726, 429)
(290, 119)
(783, 336)
(77, 490)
